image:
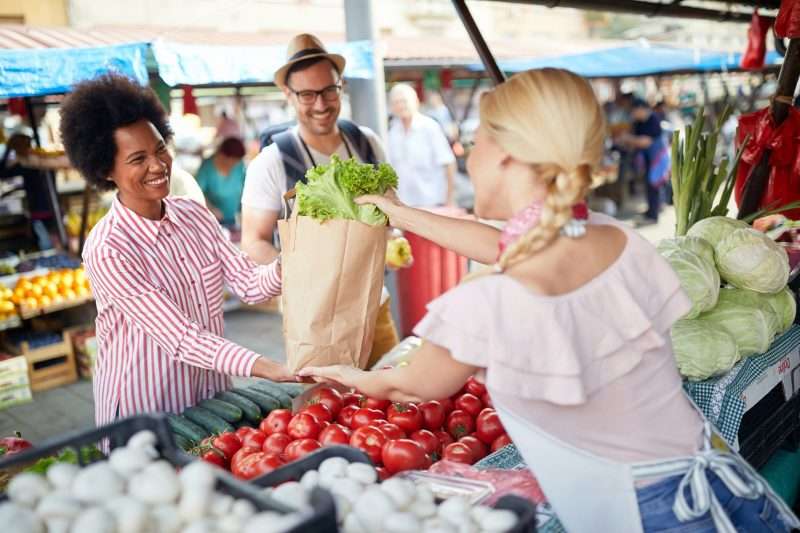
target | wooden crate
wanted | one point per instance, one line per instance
(52, 365)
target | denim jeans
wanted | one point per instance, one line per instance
(748, 516)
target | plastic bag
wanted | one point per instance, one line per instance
(520, 482)
(753, 58)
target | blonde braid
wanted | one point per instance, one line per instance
(563, 191)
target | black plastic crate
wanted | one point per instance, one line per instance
(322, 519)
(524, 509)
(768, 426)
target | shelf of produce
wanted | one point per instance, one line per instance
(31, 313)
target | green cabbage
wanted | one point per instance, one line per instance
(702, 349)
(714, 229)
(699, 278)
(748, 317)
(331, 189)
(785, 306)
(695, 245)
(748, 259)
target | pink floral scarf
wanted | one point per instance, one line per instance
(528, 218)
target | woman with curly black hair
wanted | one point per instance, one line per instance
(156, 264)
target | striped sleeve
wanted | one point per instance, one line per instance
(120, 283)
(251, 282)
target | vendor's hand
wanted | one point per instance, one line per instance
(343, 374)
(267, 369)
(386, 203)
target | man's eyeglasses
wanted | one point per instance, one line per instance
(329, 94)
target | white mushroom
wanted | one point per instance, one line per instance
(142, 439)
(58, 525)
(334, 466)
(157, 483)
(94, 520)
(352, 524)
(343, 507)
(498, 520)
(61, 475)
(269, 522)
(349, 488)
(28, 488)
(132, 516)
(165, 519)
(97, 482)
(310, 480)
(402, 491)
(362, 472)
(292, 494)
(198, 474)
(372, 507)
(454, 510)
(23, 518)
(58, 505)
(221, 505)
(127, 461)
(401, 523)
(243, 509)
(200, 526)
(230, 524)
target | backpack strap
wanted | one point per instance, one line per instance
(360, 141)
(293, 162)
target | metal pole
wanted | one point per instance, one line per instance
(49, 178)
(367, 97)
(485, 54)
(787, 85)
(657, 9)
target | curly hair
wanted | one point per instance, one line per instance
(94, 111)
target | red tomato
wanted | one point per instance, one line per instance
(380, 405)
(214, 457)
(256, 464)
(364, 417)
(13, 444)
(405, 415)
(353, 398)
(501, 442)
(488, 426)
(319, 411)
(242, 432)
(334, 434)
(304, 426)
(227, 443)
(345, 417)
(392, 431)
(477, 448)
(254, 440)
(297, 449)
(487, 400)
(460, 423)
(447, 404)
(444, 439)
(403, 454)
(330, 398)
(428, 440)
(276, 443)
(369, 440)
(458, 452)
(475, 387)
(277, 421)
(432, 415)
(239, 457)
(469, 403)
(383, 474)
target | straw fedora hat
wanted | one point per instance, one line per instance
(302, 47)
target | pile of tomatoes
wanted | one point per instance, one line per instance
(396, 436)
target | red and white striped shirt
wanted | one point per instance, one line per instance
(158, 287)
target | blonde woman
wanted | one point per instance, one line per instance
(571, 332)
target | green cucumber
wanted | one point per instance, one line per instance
(266, 402)
(186, 428)
(250, 409)
(275, 391)
(292, 389)
(226, 411)
(207, 419)
(182, 442)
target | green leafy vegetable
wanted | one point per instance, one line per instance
(714, 229)
(748, 317)
(703, 349)
(748, 259)
(698, 275)
(331, 189)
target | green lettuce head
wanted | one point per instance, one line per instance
(748, 259)
(747, 317)
(714, 229)
(785, 306)
(702, 349)
(696, 245)
(331, 189)
(699, 279)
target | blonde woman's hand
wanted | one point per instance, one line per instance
(388, 203)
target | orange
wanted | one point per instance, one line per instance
(55, 277)
(45, 301)
(57, 299)
(82, 292)
(67, 279)
(24, 284)
(31, 303)
(35, 291)
(69, 294)
(51, 289)
(6, 307)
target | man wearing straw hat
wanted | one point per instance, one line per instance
(312, 81)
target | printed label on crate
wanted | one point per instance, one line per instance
(9, 381)
(780, 372)
(15, 396)
(13, 366)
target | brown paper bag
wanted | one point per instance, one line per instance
(332, 281)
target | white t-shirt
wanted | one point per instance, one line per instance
(265, 181)
(419, 157)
